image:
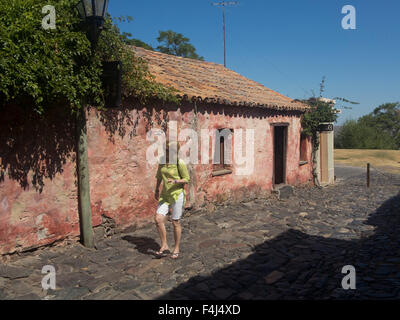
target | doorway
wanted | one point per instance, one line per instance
(280, 143)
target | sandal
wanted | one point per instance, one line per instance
(162, 254)
(175, 255)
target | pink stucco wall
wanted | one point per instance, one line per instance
(122, 181)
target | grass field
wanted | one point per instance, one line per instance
(387, 160)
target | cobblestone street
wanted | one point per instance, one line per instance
(263, 249)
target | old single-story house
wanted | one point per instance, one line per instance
(38, 190)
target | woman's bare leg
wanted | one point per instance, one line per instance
(177, 234)
(160, 223)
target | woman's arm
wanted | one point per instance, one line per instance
(157, 191)
(158, 184)
(183, 171)
(181, 181)
(159, 179)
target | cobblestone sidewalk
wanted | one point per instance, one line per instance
(263, 249)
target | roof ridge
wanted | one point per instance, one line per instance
(179, 57)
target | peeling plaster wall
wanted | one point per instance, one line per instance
(37, 179)
(122, 181)
(29, 219)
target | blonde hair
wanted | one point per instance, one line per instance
(174, 146)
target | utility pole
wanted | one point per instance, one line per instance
(85, 211)
(224, 4)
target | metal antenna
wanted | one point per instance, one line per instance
(224, 4)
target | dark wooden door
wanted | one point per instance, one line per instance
(279, 154)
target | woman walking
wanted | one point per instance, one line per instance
(174, 177)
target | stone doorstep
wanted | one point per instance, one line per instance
(284, 192)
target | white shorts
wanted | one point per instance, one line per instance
(177, 207)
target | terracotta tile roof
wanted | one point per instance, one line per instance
(213, 82)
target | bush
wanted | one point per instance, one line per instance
(378, 130)
(46, 67)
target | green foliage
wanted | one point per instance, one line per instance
(173, 43)
(127, 38)
(378, 130)
(45, 67)
(386, 118)
(42, 65)
(137, 80)
(176, 44)
(320, 112)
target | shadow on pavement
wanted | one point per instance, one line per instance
(144, 245)
(295, 265)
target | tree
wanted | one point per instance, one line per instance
(42, 65)
(378, 130)
(176, 44)
(127, 38)
(53, 66)
(387, 118)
